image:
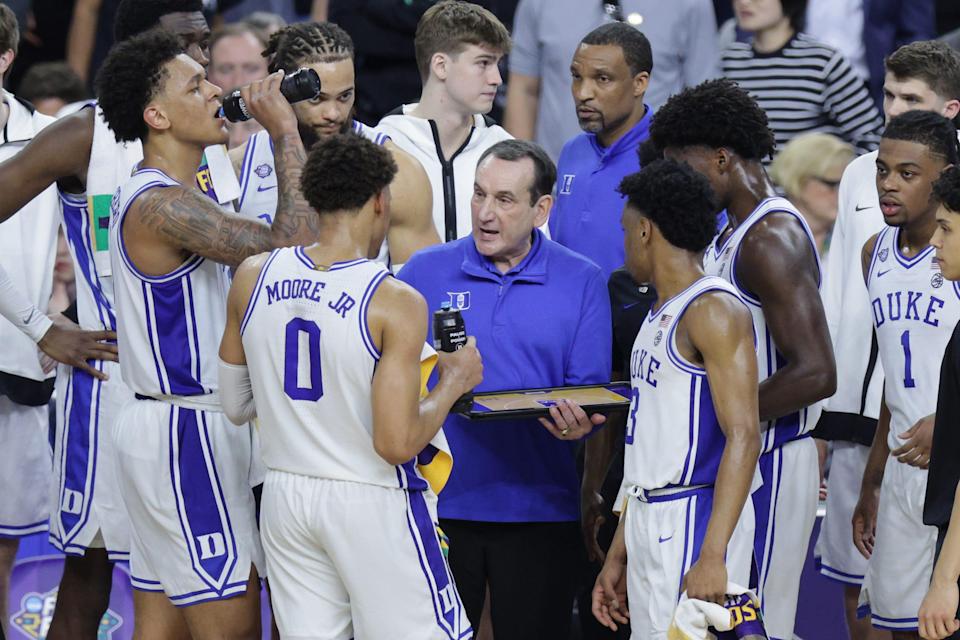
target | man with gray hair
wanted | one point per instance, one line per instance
(541, 315)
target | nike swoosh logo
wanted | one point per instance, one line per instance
(662, 539)
(859, 208)
(880, 273)
(28, 318)
(262, 188)
(631, 305)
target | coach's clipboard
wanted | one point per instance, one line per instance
(533, 403)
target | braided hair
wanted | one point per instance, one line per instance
(305, 42)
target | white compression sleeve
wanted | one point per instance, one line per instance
(15, 307)
(236, 393)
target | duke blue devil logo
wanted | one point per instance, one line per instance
(459, 300)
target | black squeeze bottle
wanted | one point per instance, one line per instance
(450, 334)
(302, 84)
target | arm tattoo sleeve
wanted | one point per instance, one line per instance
(295, 222)
(190, 221)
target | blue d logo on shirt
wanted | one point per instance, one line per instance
(567, 183)
(459, 300)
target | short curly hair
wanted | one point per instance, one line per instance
(131, 76)
(677, 199)
(344, 171)
(137, 16)
(947, 188)
(715, 113)
(306, 42)
(932, 130)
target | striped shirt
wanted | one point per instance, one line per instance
(806, 86)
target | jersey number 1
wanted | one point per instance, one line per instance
(908, 380)
(291, 365)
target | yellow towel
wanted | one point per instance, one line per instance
(435, 462)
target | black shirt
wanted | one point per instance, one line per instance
(945, 455)
(629, 304)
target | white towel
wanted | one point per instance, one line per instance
(699, 619)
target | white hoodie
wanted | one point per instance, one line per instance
(452, 180)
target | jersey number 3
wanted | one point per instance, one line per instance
(302, 333)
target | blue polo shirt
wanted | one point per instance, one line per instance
(545, 323)
(586, 215)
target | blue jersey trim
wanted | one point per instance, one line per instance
(905, 262)
(188, 265)
(255, 294)
(362, 316)
(248, 155)
(81, 426)
(80, 239)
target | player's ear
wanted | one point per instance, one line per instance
(543, 207)
(723, 158)
(640, 83)
(381, 202)
(645, 226)
(155, 117)
(439, 65)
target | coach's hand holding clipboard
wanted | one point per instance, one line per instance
(568, 420)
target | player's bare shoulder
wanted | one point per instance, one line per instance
(249, 270)
(717, 314)
(866, 254)
(411, 181)
(778, 233)
(396, 298)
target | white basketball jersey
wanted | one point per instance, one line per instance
(168, 327)
(258, 178)
(675, 440)
(915, 310)
(86, 217)
(311, 360)
(721, 260)
(28, 242)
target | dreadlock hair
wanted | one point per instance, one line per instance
(305, 42)
(136, 16)
(930, 129)
(715, 114)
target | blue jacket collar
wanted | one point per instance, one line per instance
(628, 142)
(533, 267)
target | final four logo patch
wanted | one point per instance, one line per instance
(263, 170)
(937, 280)
(36, 612)
(883, 254)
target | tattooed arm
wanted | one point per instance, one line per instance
(164, 225)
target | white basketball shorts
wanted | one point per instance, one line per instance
(350, 560)
(837, 557)
(184, 479)
(25, 473)
(663, 541)
(899, 571)
(85, 504)
(786, 510)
